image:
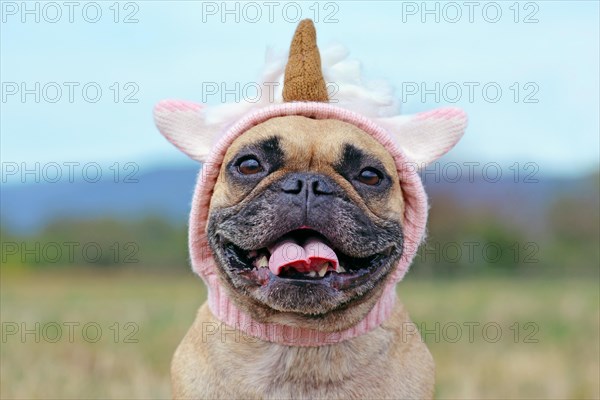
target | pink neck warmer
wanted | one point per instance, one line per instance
(415, 217)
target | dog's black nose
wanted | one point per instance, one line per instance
(307, 184)
(293, 184)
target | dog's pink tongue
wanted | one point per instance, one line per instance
(309, 257)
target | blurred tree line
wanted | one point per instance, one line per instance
(562, 240)
(462, 241)
(152, 243)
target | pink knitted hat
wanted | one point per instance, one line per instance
(205, 134)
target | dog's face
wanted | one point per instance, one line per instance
(305, 221)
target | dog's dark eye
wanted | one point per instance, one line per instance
(370, 176)
(249, 166)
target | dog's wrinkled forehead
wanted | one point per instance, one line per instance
(302, 144)
(308, 142)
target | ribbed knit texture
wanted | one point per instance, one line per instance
(415, 218)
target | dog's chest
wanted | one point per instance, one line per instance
(383, 363)
(336, 371)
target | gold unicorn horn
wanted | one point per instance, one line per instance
(303, 76)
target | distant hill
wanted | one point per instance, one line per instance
(167, 192)
(524, 204)
(164, 192)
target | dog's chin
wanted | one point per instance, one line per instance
(298, 292)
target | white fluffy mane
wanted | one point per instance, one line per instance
(424, 137)
(346, 86)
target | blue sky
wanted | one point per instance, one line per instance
(176, 46)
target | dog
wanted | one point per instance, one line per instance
(308, 216)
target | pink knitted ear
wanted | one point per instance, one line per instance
(426, 136)
(183, 124)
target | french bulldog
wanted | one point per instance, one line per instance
(305, 220)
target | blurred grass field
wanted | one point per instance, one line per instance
(554, 353)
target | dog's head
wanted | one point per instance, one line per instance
(307, 215)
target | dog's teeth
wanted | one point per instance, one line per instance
(323, 270)
(312, 274)
(262, 262)
(341, 269)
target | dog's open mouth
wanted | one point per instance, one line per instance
(303, 256)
